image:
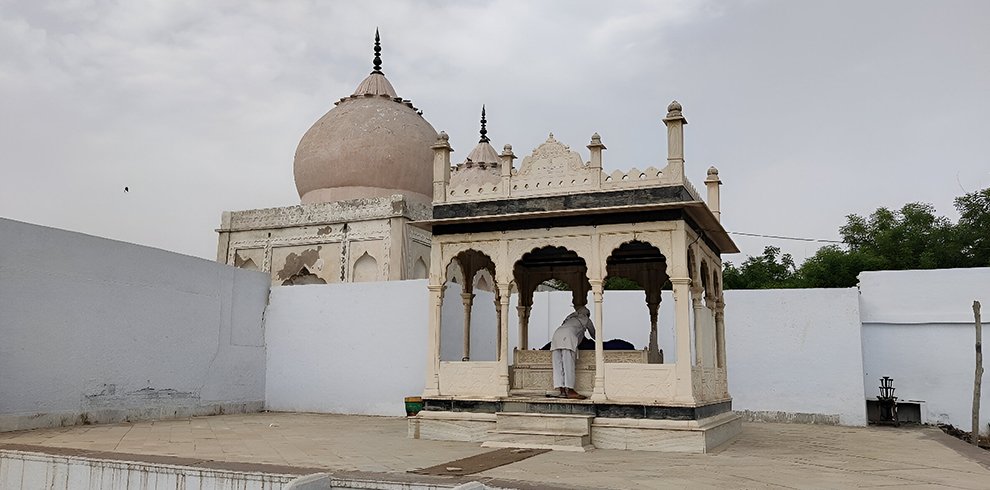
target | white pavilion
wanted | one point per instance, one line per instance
(556, 216)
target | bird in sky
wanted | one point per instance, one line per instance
(126, 189)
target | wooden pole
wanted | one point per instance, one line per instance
(979, 375)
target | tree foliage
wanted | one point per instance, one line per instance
(772, 270)
(913, 237)
(973, 230)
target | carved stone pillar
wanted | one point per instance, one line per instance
(598, 294)
(433, 344)
(468, 300)
(579, 288)
(505, 164)
(712, 182)
(596, 148)
(720, 332)
(503, 336)
(699, 338)
(523, 325)
(675, 122)
(652, 282)
(441, 167)
(498, 323)
(682, 325)
(653, 355)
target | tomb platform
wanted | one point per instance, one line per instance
(530, 419)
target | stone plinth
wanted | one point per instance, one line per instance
(559, 424)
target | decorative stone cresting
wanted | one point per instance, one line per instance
(551, 169)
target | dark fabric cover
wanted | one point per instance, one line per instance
(588, 344)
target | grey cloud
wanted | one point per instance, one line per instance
(811, 111)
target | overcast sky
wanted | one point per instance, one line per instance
(811, 111)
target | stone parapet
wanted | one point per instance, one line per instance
(554, 169)
(326, 213)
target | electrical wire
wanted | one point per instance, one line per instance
(779, 237)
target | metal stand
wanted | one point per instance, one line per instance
(887, 403)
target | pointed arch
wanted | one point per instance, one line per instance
(365, 269)
(484, 281)
(420, 270)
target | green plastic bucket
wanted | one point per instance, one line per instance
(413, 405)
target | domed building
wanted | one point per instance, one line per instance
(363, 171)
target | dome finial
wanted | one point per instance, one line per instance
(484, 131)
(378, 54)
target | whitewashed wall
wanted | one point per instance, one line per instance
(918, 329)
(98, 330)
(484, 325)
(796, 351)
(361, 348)
(347, 347)
(792, 354)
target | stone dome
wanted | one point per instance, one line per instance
(371, 144)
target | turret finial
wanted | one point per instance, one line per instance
(378, 54)
(484, 131)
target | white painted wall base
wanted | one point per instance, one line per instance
(32, 471)
(10, 422)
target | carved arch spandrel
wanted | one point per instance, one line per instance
(453, 272)
(448, 251)
(660, 239)
(579, 244)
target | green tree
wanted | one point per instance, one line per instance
(620, 283)
(911, 238)
(833, 267)
(973, 230)
(772, 270)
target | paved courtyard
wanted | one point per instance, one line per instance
(763, 456)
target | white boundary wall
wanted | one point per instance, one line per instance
(792, 354)
(361, 348)
(918, 329)
(346, 348)
(96, 330)
(795, 354)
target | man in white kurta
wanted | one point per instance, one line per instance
(564, 350)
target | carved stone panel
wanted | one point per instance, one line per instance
(709, 384)
(645, 383)
(553, 168)
(533, 369)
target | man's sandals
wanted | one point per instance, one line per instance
(573, 395)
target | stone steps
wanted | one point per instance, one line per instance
(541, 431)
